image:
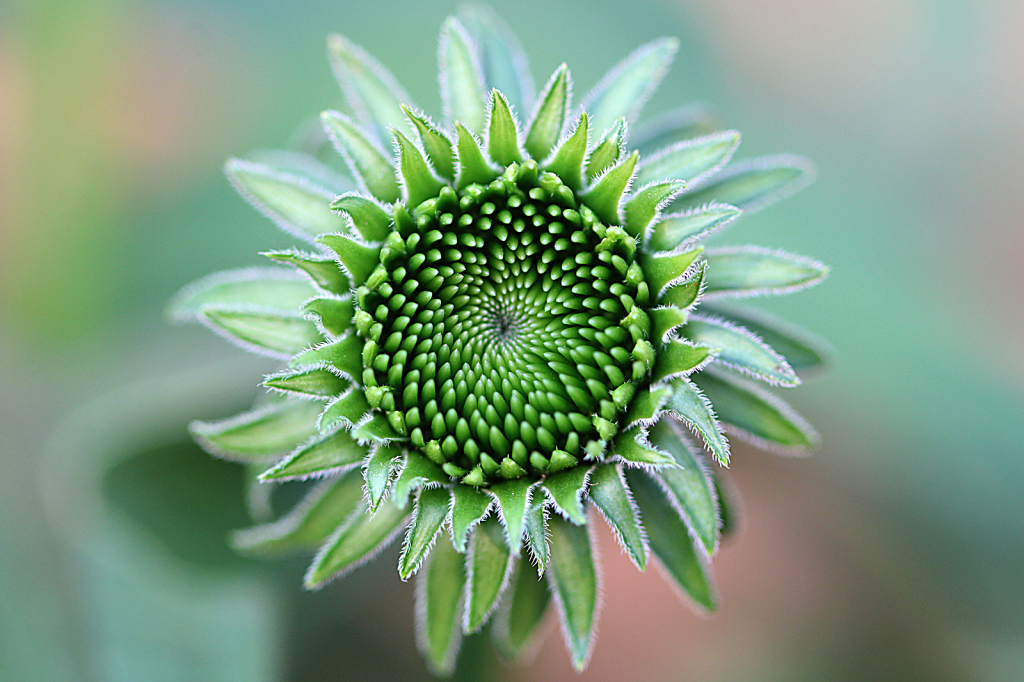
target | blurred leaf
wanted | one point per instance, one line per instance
(490, 564)
(756, 271)
(462, 83)
(573, 581)
(681, 123)
(439, 588)
(268, 332)
(355, 542)
(521, 612)
(741, 349)
(689, 487)
(372, 92)
(754, 183)
(624, 90)
(690, 160)
(267, 288)
(502, 58)
(262, 433)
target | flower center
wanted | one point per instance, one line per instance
(500, 347)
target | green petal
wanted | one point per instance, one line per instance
(674, 229)
(740, 349)
(642, 208)
(757, 271)
(298, 204)
(647, 406)
(548, 120)
(371, 90)
(632, 447)
(473, 167)
(262, 433)
(462, 85)
(333, 316)
(802, 350)
(328, 454)
(349, 407)
(568, 161)
(670, 541)
(666, 320)
(688, 403)
(521, 612)
(626, 88)
(378, 470)
(681, 123)
(536, 524)
(265, 288)
(429, 515)
(502, 58)
(756, 414)
(371, 166)
(268, 332)
(664, 270)
(689, 487)
(367, 216)
(608, 151)
(690, 160)
(322, 270)
(418, 180)
(316, 382)
(345, 355)
(502, 132)
(417, 472)
(490, 564)
(753, 184)
(685, 294)
(727, 505)
(566, 489)
(680, 359)
(439, 589)
(611, 495)
(306, 526)
(376, 429)
(357, 259)
(469, 507)
(435, 143)
(606, 194)
(512, 498)
(573, 580)
(355, 542)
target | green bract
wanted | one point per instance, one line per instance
(496, 327)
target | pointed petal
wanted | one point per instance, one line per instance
(643, 207)
(439, 590)
(469, 507)
(462, 84)
(345, 354)
(665, 321)
(741, 349)
(427, 519)
(566, 489)
(634, 450)
(374, 429)
(626, 88)
(663, 270)
(323, 455)
(417, 472)
(688, 403)
(332, 316)
(674, 125)
(490, 566)
(521, 612)
(743, 271)
(308, 382)
(612, 497)
(537, 533)
(568, 161)
(691, 160)
(368, 217)
(348, 408)
(605, 195)
(679, 359)
(685, 294)
(502, 132)
(435, 143)
(503, 60)
(690, 488)
(675, 229)
(418, 180)
(473, 167)
(573, 579)
(357, 259)
(753, 184)
(512, 498)
(324, 271)
(269, 288)
(608, 151)
(355, 542)
(647, 406)
(804, 351)
(369, 165)
(548, 120)
(371, 90)
(274, 333)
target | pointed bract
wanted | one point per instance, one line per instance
(369, 165)
(548, 120)
(371, 90)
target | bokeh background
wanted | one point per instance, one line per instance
(894, 553)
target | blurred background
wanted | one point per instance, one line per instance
(896, 552)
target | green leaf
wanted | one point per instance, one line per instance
(270, 288)
(376, 429)
(322, 270)
(803, 350)
(369, 165)
(755, 183)
(345, 355)
(756, 414)
(502, 132)
(757, 271)
(355, 542)
(642, 208)
(417, 178)
(605, 195)
(611, 496)
(435, 143)
(439, 589)
(473, 167)
(665, 270)
(670, 541)
(568, 161)
(263, 433)
(728, 505)
(689, 487)
(328, 454)
(333, 316)
(371, 90)
(688, 403)
(681, 123)
(626, 88)
(521, 612)
(462, 85)
(490, 564)
(647, 406)
(536, 525)
(740, 349)
(675, 229)
(664, 321)
(367, 216)
(469, 507)
(357, 259)
(429, 515)
(690, 160)
(573, 581)
(548, 120)
(303, 165)
(632, 447)
(502, 58)
(417, 472)
(512, 498)
(318, 382)
(296, 203)
(268, 332)
(349, 407)
(566, 489)
(685, 294)
(306, 526)
(608, 151)
(378, 470)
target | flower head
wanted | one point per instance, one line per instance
(497, 327)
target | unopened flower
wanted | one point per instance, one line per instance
(501, 321)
